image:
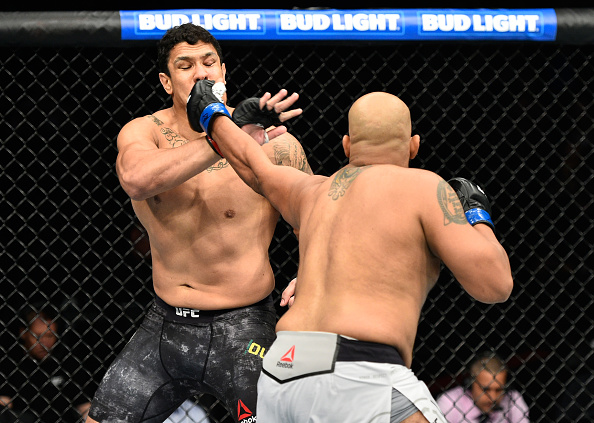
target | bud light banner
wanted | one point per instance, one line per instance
(365, 25)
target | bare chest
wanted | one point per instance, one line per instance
(216, 193)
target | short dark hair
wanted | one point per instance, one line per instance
(188, 33)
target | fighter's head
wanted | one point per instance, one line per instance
(380, 130)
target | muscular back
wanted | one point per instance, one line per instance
(372, 236)
(365, 266)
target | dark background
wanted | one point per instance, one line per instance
(515, 117)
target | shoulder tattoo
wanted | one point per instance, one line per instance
(450, 204)
(172, 137)
(343, 180)
(175, 140)
(291, 154)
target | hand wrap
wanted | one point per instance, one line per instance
(204, 105)
(474, 201)
(248, 111)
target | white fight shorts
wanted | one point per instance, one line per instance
(324, 377)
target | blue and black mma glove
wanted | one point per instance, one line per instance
(474, 201)
(249, 111)
(204, 105)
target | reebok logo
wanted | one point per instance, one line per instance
(289, 355)
(286, 361)
(243, 413)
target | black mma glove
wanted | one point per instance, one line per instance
(474, 201)
(204, 105)
(248, 111)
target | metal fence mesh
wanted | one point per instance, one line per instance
(517, 118)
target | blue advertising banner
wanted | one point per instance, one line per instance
(336, 25)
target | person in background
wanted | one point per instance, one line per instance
(42, 381)
(486, 398)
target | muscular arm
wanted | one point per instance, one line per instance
(145, 170)
(248, 159)
(472, 253)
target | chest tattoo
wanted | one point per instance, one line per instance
(173, 138)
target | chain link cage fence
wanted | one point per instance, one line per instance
(515, 117)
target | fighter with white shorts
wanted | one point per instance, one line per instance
(372, 238)
(304, 370)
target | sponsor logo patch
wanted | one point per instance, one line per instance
(286, 361)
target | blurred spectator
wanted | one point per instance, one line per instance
(485, 398)
(38, 376)
(188, 412)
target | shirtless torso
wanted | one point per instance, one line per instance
(373, 235)
(371, 241)
(371, 253)
(209, 235)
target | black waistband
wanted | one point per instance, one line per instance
(193, 315)
(353, 350)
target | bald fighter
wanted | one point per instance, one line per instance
(371, 240)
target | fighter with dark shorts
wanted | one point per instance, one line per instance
(179, 352)
(209, 237)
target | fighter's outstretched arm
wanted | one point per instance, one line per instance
(279, 184)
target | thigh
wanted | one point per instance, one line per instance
(184, 350)
(403, 410)
(136, 381)
(338, 397)
(418, 417)
(235, 360)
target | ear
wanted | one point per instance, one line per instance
(224, 70)
(166, 82)
(415, 143)
(346, 145)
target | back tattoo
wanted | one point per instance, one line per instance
(343, 180)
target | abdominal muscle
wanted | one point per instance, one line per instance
(213, 274)
(209, 249)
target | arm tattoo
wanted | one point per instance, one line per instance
(291, 154)
(221, 164)
(343, 180)
(450, 204)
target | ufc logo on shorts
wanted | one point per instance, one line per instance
(185, 312)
